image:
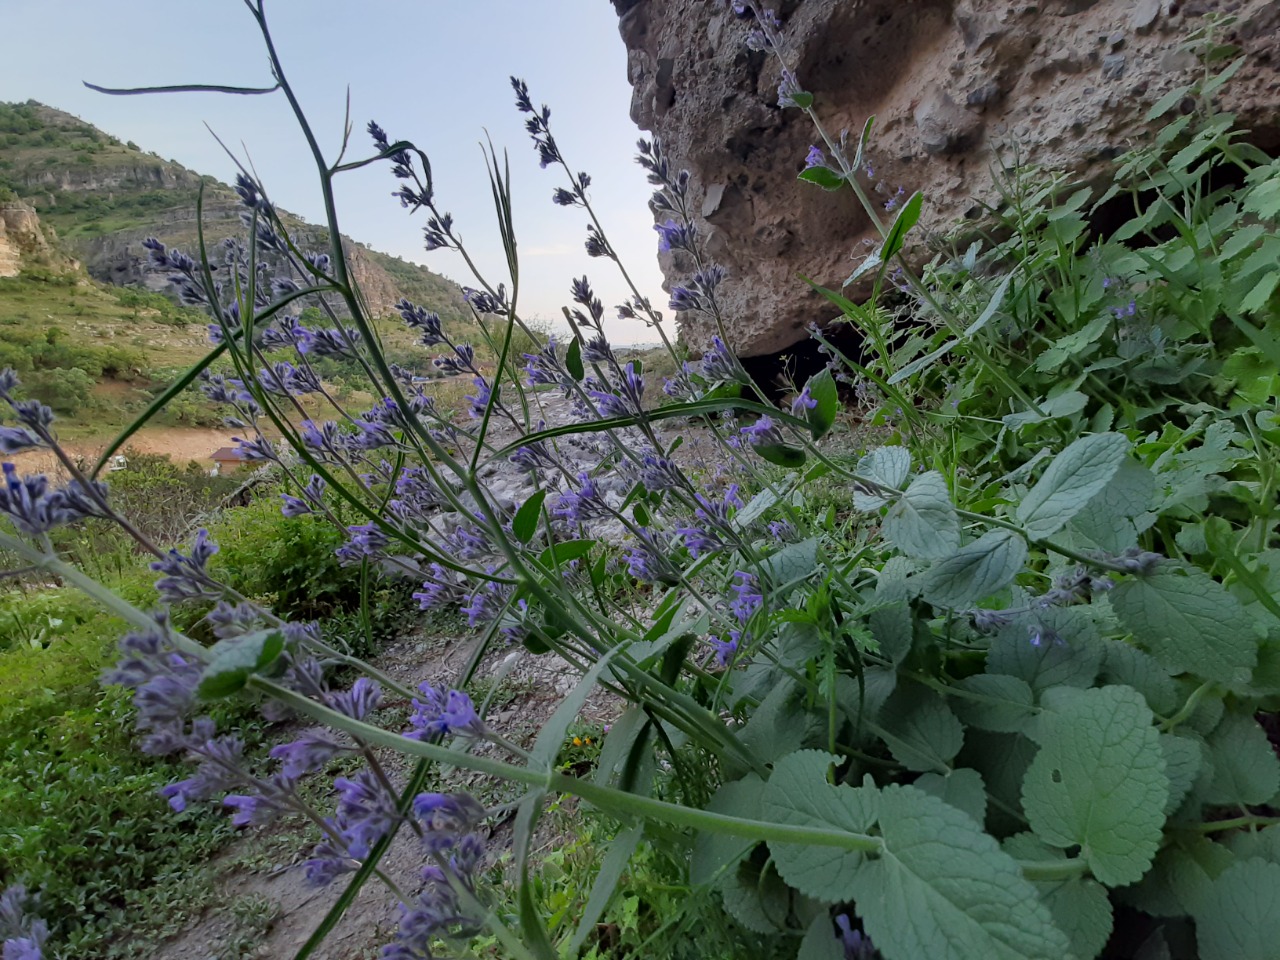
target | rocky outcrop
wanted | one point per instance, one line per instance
(954, 86)
(21, 239)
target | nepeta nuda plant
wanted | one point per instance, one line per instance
(960, 734)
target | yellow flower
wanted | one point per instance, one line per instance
(577, 741)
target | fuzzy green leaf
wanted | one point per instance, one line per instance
(781, 454)
(1120, 510)
(922, 523)
(887, 466)
(1055, 646)
(1125, 663)
(921, 731)
(997, 702)
(976, 571)
(716, 853)
(798, 793)
(943, 889)
(1182, 765)
(1240, 918)
(234, 660)
(962, 788)
(820, 941)
(1189, 622)
(824, 177)
(1099, 780)
(1245, 769)
(1080, 906)
(1075, 477)
(793, 562)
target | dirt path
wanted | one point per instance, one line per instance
(181, 444)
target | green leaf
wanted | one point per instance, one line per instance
(1080, 906)
(1126, 664)
(1189, 622)
(757, 897)
(234, 660)
(1179, 881)
(1006, 702)
(781, 454)
(1245, 769)
(820, 941)
(1120, 510)
(794, 562)
(525, 524)
(612, 868)
(976, 571)
(715, 853)
(962, 788)
(564, 551)
(573, 360)
(822, 388)
(919, 363)
(943, 889)
(798, 793)
(897, 235)
(862, 142)
(1052, 647)
(919, 728)
(887, 466)
(1240, 919)
(1075, 477)
(922, 523)
(824, 177)
(780, 723)
(892, 629)
(1099, 780)
(756, 508)
(552, 735)
(1182, 765)
(997, 298)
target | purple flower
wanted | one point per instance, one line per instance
(892, 203)
(659, 473)
(856, 944)
(13, 439)
(293, 507)
(426, 322)
(718, 363)
(789, 90)
(748, 597)
(185, 578)
(358, 702)
(675, 236)
(726, 650)
(367, 541)
(439, 590)
(366, 811)
(220, 767)
(585, 503)
(699, 540)
(24, 935)
(486, 603)
(441, 713)
(307, 754)
(256, 450)
(764, 432)
(647, 560)
(804, 401)
(815, 158)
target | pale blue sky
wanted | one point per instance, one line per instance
(431, 71)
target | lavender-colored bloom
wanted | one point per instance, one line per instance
(782, 530)
(23, 935)
(789, 90)
(699, 540)
(803, 401)
(608, 403)
(13, 439)
(366, 811)
(532, 457)
(675, 236)
(426, 322)
(220, 761)
(185, 578)
(462, 361)
(358, 702)
(597, 350)
(467, 542)
(1138, 561)
(747, 596)
(763, 433)
(438, 232)
(989, 621)
(718, 363)
(442, 588)
(328, 862)
(307, 754)
(293, 507)
(486, 603)
(856, 944)
(597, 245)
(33, 414)
(233, 620)
(659, 473)
(581, 505)
(447, 815)
(564, 198)
(326, 442)
(543, 367)
(478, 402)
(483, 302)
(367, 542)
(894, 201)
(815, 158)
(339, 343)
(726, 650)
(441, 713)
(256, 450)
(1128, 310)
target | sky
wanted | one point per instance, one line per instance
(431, 71)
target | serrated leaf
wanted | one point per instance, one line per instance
(794, 562)
(820, 941)
(1005, 703)
(943, 889)
(756, 508)
(1179, 880)
(922, 523)
(780, 723)
(573, 360)
(1051, 647)
(798, 793)
(824, 177)
(757, 898)
(822, 389)
(1126, 664)
(525, 523)
(1120, 510)
(1075, 477)
(1240, 918)
(892, 629)
(1182, 764)
(962, 788)
(976, 571)
(1189, 622)
(1099, 780)
(1263, 843)
(233, 660)
(919, 728)
(887, 466)
(1080, 906)
(1245, 769)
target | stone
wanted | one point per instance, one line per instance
(952, 84)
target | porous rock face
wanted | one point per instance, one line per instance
(953, 84)
(21, 238)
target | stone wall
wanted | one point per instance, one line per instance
(954, 84)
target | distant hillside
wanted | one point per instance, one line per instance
(103, 197)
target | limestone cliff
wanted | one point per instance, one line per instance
(952, 84)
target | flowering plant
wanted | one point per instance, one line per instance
(973, 733)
